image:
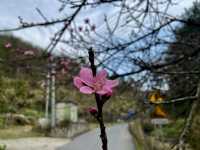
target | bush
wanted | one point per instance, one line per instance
(64, 123)
(2, 147)
(2, 122)
(31, 113)
(173, 129)
(148, 127)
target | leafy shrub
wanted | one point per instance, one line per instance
(173, 130)
(64, 123)
(31, 113)
(2, 122)
(148, 128)
(2, 147)
(194, 136)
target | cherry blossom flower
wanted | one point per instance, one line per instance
(8, 45)
(99, 84)
(29, 53)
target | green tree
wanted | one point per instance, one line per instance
(187, 43)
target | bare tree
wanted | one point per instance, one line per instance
(131, 40)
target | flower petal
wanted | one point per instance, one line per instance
(104, 91)
(77, 82)
(111, 83)
(101, 74)
(86, 76)
(86, 90)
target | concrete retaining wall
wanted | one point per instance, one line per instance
(72, 130)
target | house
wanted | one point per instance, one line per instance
(66, 111)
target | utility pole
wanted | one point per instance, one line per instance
(52, 94)
(47, 94)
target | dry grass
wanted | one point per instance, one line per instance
(144, 142)
(138, 135)
(18, 132)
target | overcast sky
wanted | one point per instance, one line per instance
(11, 9)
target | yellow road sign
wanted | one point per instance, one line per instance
(155, 98)
(159, 112)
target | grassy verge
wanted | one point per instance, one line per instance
(135, 129)
(170, 131)
(143, 141)
(18, 132)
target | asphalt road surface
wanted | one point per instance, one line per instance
(119, 138)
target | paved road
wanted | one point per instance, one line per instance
(119, 138)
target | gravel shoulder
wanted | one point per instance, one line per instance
(37, 143)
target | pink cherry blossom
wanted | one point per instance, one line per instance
(8, 45)
(99, 84)
(29, 53)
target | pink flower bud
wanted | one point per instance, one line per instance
(66, 23)
(92, 110)
(93, 27)
(50, 57)
(87, 21)
(71, 29)
(80, 28)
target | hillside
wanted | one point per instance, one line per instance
(23, 70)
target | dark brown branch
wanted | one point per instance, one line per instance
(189, 121)
(59, 34)
(187, 98)
(39, 24)
(99, 103)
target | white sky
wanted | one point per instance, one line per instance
(11, 9)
